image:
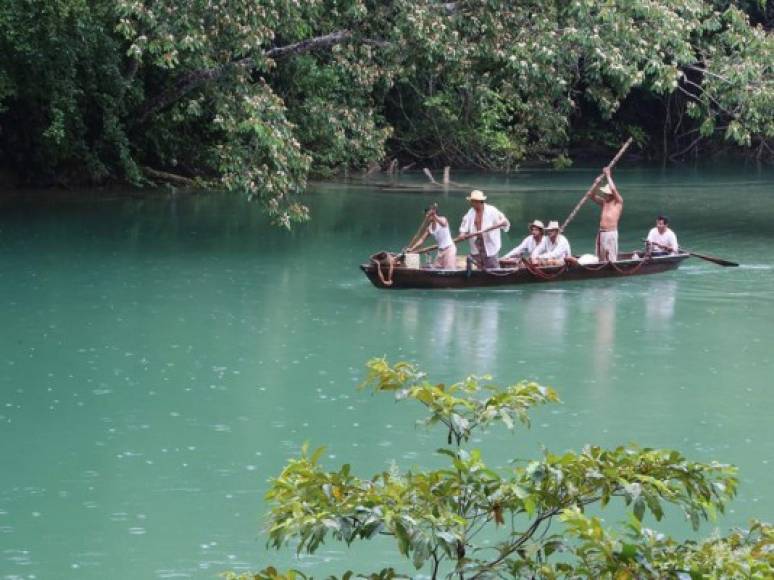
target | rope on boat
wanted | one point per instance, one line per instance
(630, 271)
(594, 268)
(538, 273)
(377, 259)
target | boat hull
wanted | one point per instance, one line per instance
(403, 278)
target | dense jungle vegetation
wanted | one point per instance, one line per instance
(256, 95)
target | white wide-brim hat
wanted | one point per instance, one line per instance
(537, 224)
(552, 225)
(476, 195)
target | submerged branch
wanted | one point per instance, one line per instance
(174, 178)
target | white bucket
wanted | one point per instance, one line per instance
(413, 261)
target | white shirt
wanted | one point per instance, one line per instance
(548, 249)
(492, 216)
(668, 238)
(527, 246)
(441, 233)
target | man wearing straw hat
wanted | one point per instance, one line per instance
(488, 220)
(611, 202)
(528, 244)
(554, 250)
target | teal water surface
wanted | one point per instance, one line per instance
(160, 359)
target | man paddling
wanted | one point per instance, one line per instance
(527, 245)
(662, 240)
(482, 216)
(438, 227)
(611, 202)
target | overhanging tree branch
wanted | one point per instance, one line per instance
(194, 79)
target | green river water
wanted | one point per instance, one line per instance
(161, 358)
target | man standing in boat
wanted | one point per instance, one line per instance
(527, 245)
(485, 218)
(438, 227)
(611, 202)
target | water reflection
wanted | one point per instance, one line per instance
(604, 345)
(602, 302)
(480, 331)
(447, 328)
(660, 300)
(443, 324)
(545, 317)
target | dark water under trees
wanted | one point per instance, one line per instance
(161, 358)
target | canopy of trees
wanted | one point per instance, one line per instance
(255, 95)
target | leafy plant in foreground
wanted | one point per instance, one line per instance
(439, 518)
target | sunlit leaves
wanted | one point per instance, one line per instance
(462, 406)
(435, 516)
(644, 553)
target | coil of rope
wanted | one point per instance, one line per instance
(377, 259)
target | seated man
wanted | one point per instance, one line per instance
(554, 250)
(527, 245)
(662, 240)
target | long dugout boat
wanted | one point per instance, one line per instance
(382, 275)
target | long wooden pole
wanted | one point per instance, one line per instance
(461, 238)
(422, 227)
(597, 181)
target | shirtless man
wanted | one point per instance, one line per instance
(612, 207)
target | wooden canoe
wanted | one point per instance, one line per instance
(403, 277)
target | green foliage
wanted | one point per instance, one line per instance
(460, 406)
(61, 90)
(253, 96)
(439, 517)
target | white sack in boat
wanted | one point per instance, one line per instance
(588, 259)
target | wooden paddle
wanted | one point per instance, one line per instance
(713, 259)
(594, 185)
(461, 238)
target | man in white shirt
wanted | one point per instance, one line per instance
(554, 249)
(482, 216)
(527, 245)
(438, 227)
(662, 240)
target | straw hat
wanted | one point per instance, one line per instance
(537, 224)
(552, 225)
(606, 190)
(476, 195)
